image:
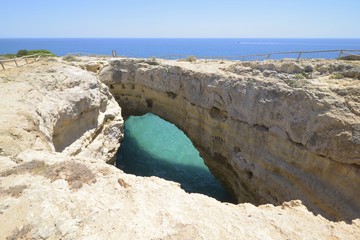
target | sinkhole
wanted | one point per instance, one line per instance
(155, 147)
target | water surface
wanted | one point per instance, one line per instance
(155, 147)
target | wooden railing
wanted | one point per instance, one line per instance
(299, 55)
(18, 60)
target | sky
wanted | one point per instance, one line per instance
(180, 18)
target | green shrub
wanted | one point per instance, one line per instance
(40, 52)
(21, 53)
(24, 52)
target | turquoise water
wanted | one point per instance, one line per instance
(155, 147)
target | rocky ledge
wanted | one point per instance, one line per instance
(60, 126)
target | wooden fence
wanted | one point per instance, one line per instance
(16, 62)
(299, 55)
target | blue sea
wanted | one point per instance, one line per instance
(230, 48)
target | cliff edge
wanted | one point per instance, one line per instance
(59, 127)
(271, 131)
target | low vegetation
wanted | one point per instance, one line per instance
(337, 76)
(299, 76)
(24, 52)
(152, 61)
(14, 191)
(21, 233)
(351, 58)
(70, 58)
(76, 174)
(297, 82)
(41, 52)
(7, 56)
(191, 59)
(303, 75)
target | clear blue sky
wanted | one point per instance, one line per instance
(180, 18)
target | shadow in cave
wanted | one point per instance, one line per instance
(133, 159)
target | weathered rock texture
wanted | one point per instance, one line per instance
(109, 204)
(58, 127)
(58, 108)
(290, 132)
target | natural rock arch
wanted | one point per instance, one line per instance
(266, 141)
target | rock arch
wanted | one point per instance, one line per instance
(266, 141)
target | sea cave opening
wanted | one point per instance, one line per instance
(154, 147)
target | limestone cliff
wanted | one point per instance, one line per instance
(59, 125)
(62, 109)
(271, 131)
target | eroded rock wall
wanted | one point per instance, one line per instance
(269, 140)
(74, 194)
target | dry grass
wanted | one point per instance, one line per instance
(297, 83)
(70, 58)
(191, 59)
(14, 191)
(337, 76)
(22, 233)
(28, 167)
(123, 183)
(105, 171)
(76, 174)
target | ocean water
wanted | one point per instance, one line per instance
(155, 147)
(177, 48)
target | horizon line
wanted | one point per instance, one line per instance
(180, 37)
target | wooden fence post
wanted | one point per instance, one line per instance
(298, 58)
(341, 52)
(2, 65)
(16, 62)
